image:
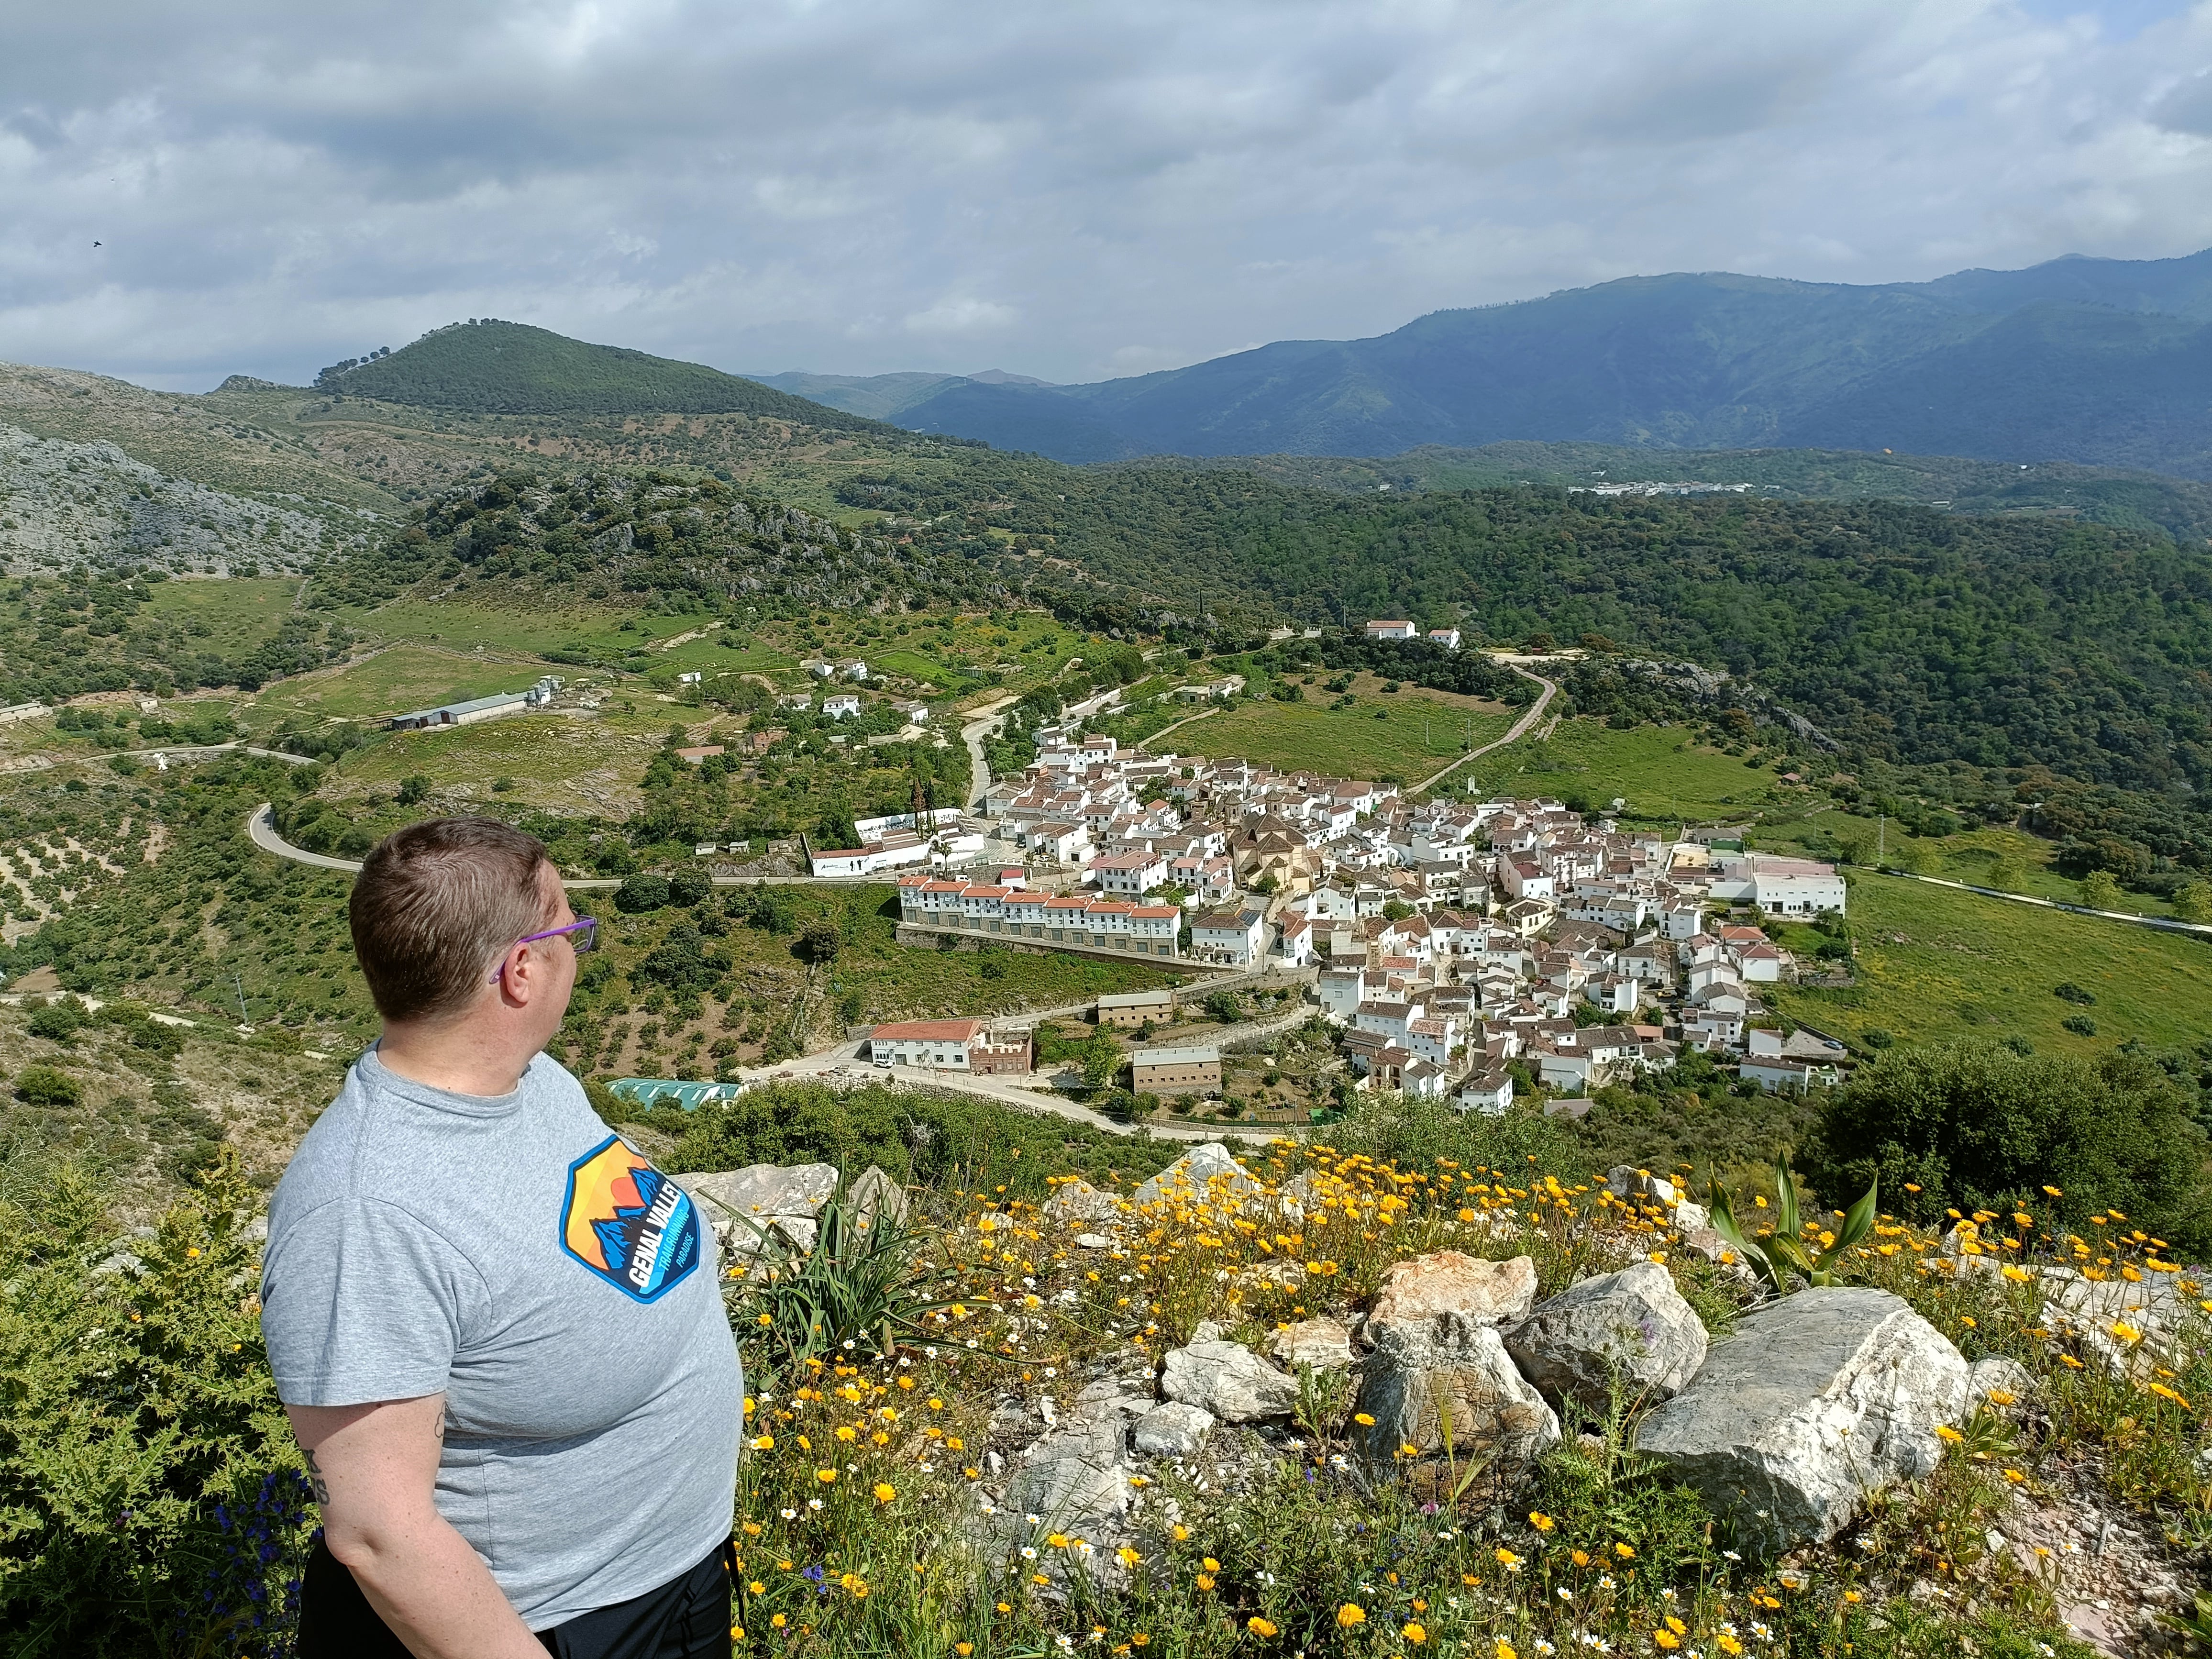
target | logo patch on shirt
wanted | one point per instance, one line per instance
(629, 1222)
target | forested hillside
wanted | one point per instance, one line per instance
(2087, 360)
(650, 539)
(489, 367)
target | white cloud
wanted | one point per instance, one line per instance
(962, 317)
(888, 183)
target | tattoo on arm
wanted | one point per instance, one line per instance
(316, 1484)
(440, 1429)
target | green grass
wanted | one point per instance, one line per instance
(916, 666)
(1661, 770)
(532, 629)
(589, 768)
(1351, 743)
(1933, 964)
(238, 612)
(395, 681)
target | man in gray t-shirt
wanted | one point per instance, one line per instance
(498, 1329)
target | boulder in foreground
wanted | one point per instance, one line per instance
(1817, 1401)
(1630, 1326)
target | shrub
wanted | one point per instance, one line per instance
(42, 1085)
(1975, 1127)
(145, 1464)
(641, 895)
(2080, 1025)
(688, 889)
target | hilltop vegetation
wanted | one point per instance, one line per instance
(489, 367)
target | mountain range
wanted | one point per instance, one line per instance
(2103, 361)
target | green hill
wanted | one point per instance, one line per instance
(511, 368)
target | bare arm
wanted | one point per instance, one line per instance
(374, 1468)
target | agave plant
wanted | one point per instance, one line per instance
(859, 1281)
(1783, 1252)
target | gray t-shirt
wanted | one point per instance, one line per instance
(515, 1255)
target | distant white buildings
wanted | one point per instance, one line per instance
(1399, 630)
(478, 709)
(1446, 637)
(1779, 886)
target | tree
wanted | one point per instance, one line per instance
(641, 895)
(2004, 876)
(412, 791)
(819, 941)
(2101, 891)
(1973, 1125)
(2194, 901)
(688, 889)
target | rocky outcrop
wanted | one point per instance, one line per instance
(1207, 1171)
(1077, 1201)
(1174, 1430)
(1817, 1399)
(1075, 1477)
(1324, 1344)
(1446, 1285)
(744, 1205)
(1629, 1329)
(1228, 1379)
(2000, 1384)
(876, 1196)
(1448, 1384)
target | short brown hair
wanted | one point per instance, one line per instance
(435, 904)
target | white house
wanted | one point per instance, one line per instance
(840, 705)
(1446, 637)
(1780, 886)
(1130, 874)
(1490, 1094)
(1392, 630)
(1236, 937)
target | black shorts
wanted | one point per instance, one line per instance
(687, 1618)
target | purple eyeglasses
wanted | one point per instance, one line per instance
(587, 932)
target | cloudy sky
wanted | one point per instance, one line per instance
(1077, 190)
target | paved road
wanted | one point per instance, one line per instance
(1536, 713)
(193, 751)
(988, 722)
(2159, 924)
(847, 1063)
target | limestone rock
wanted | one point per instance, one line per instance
(1451, 1371)
(1325, 1343)
(1075, 1477)
(2099, 1314)
(1207, 1171)
(1632, 1325)
(1415, 1294)
(1174, 1430)
(1229, 1380)
(876, 1194)
(1817, 1399)
(742, 1205)
(1997, 1375)
(1093, 1241)
(1624, 1182)
(1078, 1200)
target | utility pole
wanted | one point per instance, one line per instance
(1881, 840)
(239, 985)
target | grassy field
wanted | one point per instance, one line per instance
(238, 612)
(557, 761)
(466, 625)
(1935, 963)
(1659, 769)
(1406, 735)
(394, 681)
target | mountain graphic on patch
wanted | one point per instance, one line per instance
(629, 1222)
